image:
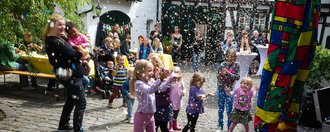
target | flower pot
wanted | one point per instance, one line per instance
(168, 49)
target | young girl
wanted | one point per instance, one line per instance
(157, 46)
(144, 50)
(177, 93)
(164, 110)
(76, 39)
(119, 77)
(245, 46)
(145, 87)
(228, 74)
(128, 96)
(195, 102)
(242, 105)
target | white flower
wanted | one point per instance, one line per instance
(51, 24)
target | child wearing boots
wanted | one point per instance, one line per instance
(177, 93)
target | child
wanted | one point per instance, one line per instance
(144, 50)
(164, 110)
(242, 105)
(107, 83)
(144, 86)
(76, 39)
(245, 46)
(228, 73)
(176, 96)
(119, 77)
(128, 96)
(195, 102)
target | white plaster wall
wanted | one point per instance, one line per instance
(139, 12)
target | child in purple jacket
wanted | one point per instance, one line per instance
(196, 101)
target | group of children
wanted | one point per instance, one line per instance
(144, 84)
(159, 94)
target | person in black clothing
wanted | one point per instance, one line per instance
(255, 41)
(124, 49)
(176, 41)
(156, 33)
(62, 55)
(198, 47)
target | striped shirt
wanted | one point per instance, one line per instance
(120, 77)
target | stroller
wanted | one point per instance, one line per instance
(103, 75)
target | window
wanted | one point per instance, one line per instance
(259, 21)
(244, 21)
(148, 26)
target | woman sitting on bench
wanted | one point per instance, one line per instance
(9, 60)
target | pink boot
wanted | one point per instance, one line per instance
(176, 125)
(170, 129)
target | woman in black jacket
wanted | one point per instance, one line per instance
(62, 55)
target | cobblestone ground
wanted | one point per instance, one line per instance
(32, 110)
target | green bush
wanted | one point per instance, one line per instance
(319, 74)
(17, 16)
(166, 41)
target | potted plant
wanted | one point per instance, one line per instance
(167, 45)
(319, 74)
(318, 77)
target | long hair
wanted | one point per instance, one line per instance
(138, 74)
(195, 78)
(52, 20)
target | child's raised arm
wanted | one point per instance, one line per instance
(141, 86)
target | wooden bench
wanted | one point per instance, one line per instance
(37, 75)
(40, 75)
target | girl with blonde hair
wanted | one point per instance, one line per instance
(143, 87)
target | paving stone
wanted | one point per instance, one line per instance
(35, 111)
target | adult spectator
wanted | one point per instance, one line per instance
(156, 33)
(124, 49)
(63, 57)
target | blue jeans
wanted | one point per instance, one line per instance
(222, 99)
(130, 103)
(23, 80)
(196, 61)
(85, 82)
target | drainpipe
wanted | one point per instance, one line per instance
(157, 10)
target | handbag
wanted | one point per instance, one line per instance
(63, 74)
